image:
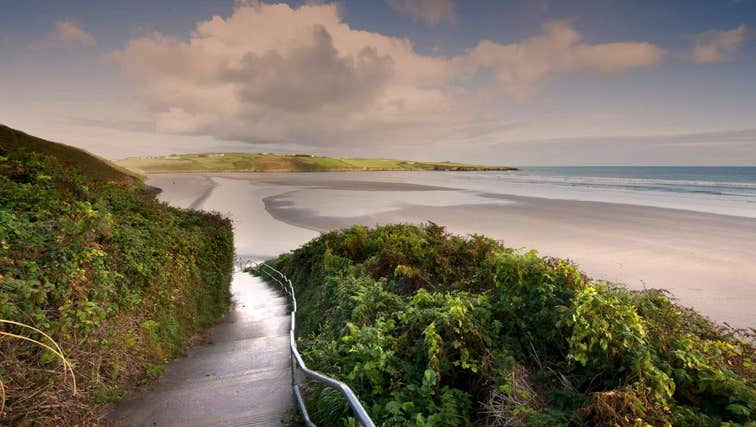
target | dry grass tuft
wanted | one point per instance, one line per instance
(55, 349)
(629, 405)
(508, 407)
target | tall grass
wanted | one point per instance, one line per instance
(55, 349)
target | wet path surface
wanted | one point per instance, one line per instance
(241, 378)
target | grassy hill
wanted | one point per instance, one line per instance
(266, 162)
(86, 163)
(118, 280)
(432, 329)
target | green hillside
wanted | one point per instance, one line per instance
(266, 162)
(432, 329)
(86, 163)
(117, 279)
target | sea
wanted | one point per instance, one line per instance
(732, 181)
(719, 190)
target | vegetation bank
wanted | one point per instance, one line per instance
(432, 329)
(118, 280)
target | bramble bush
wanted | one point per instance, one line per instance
(433, 329)
(118, 279)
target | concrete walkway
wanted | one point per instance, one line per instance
(242, 378)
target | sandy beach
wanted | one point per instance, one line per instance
(703, 259)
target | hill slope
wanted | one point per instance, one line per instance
(86, 163)
(266, 162)
(118, 279)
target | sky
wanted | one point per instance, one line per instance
(531, 82)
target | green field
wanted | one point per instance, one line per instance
(267, 162)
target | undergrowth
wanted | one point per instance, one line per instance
(117, 279)
(432, 329)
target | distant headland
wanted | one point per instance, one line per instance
(268, 162)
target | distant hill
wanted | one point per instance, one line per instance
(89, 164)
(267, 162)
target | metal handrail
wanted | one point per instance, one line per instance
(360, 415)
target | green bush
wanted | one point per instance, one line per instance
(118, 279)
(432, 329)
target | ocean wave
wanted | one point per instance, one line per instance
(625, 181)
(676, 184)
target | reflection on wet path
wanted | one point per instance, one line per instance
(241, 377)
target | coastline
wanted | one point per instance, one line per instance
(420, 180)
(703, 259)
(289, 163)
(626, 244)
(243, 171)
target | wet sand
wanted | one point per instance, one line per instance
(256, 233)
(705, 260)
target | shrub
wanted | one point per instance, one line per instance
(118, 279)
(431, 329)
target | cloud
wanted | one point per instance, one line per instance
(270, 73)
(521, 68)
(311, 76)
(717, 46)
(432, 12)
(70, 33)
(66, 33)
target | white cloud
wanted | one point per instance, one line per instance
(432, 12)
(68, 32)
(520, 68)
(273, 73)
(717, 46)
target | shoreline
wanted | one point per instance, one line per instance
(331, 179)
(703, 259)
(699, 271)
(168, 172)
